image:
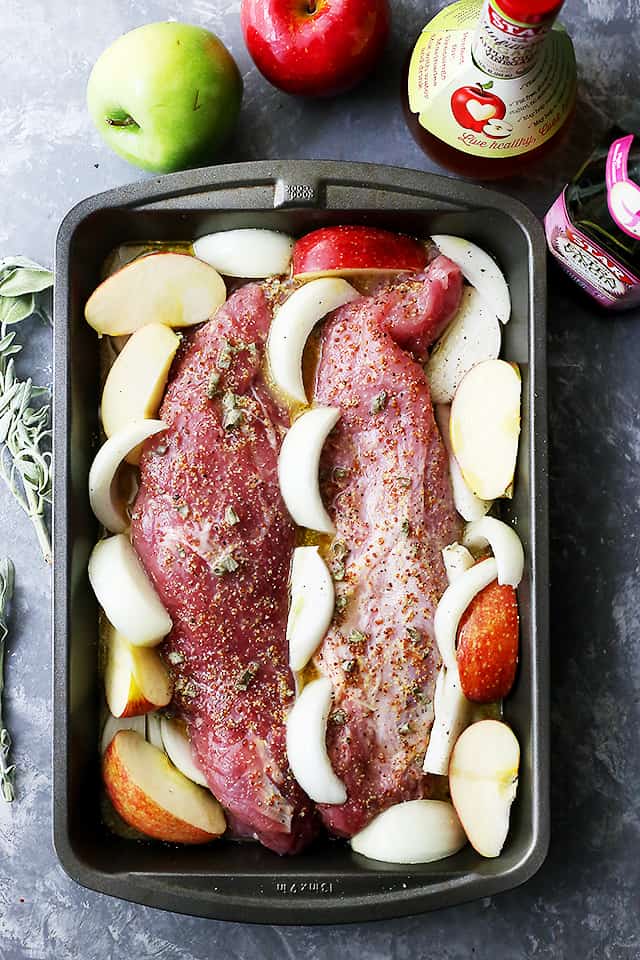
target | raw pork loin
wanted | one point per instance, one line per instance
(212, 531)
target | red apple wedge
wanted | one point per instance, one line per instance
(136, 680)
(155, 798)
(483, 779)
(348, 250)
(174, 289)
(487, 651)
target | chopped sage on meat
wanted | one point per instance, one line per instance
(379, 402)
(246, 678)
(213, 384)
(404, 729)
(340, 473)
(348, 666)
(338, 717)
(175, 657)
(183, 510)
(226, 564)
(414, 634)
(404, 481)
(357, 636)
(341, 602)
(232, 415)
(338, 572)
(231, 517)
(406, 527)
(339, 549)
(225, 356)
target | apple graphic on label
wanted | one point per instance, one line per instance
(315, 48)
(474, 105)
(165, 96)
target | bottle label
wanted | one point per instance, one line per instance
(623, 194)
(487, 116)
(607, 280)
(506, 48)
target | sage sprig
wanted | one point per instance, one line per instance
(25, 460)
(6, 768)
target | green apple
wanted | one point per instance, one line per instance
(165, 96)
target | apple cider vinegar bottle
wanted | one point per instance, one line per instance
(490, 85)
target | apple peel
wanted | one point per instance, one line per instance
(480, 270)
(306, 744)
(293, 323)
(505, 544)
(298, 466)
(453, 604)
(105, 503)
(312, 605)
(246, 253)
(416, 831)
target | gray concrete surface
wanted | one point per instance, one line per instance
(584, 902)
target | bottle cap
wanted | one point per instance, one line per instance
(529, 11)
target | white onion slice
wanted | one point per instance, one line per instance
(154, 730)
(465, 501)
(178, 748)
(453, 604)
(246, 253)
(293, 323)
(307, 746)
(125, 592)
(417, 831)
(102, 494)
(452, 713)
(457, 559)
(480, 270)
(312, 604)
(298, 466)
(505, 544)
(113, 725)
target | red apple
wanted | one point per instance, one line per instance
(315, 48)
(472, 106)
(341, 251)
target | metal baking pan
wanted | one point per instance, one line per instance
(242, 881)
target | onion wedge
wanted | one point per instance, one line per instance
(307, 747)
(298, 466)
(417, 831)
(312, 604)
(505, 544)
(103, 496)
(453, 604)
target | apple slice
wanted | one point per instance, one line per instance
(487, 650)
(136, 382)
(465, 501)
(298, 466)
(246, 253)
(417, 831)
(307, 747)
(475, 335)
(153, 730)
(136, 680)
(483, 780)
(311, 607)
(174, 289)
(292, 325)
(125, 592)
(113, 725)
(155, 798)
(178, 748)
(347, 250)
(480, 270)
(485, 427)
(106, 504)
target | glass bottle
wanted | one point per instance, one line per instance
(491, 85)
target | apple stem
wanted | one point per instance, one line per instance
(312, 6)
(121, 121)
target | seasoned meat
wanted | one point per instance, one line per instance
(212, 531)
(385, 482)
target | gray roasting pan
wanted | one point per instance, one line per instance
(242, 881)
